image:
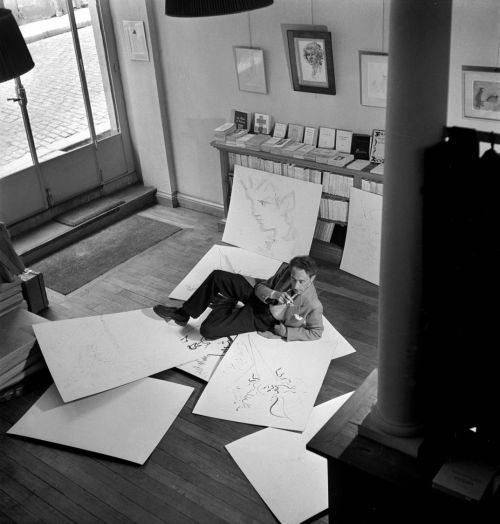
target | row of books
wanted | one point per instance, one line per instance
(372, 187)
(333, 209)
(337, 184)
(324, 230)
(361, 145)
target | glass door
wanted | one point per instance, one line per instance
(76, 112)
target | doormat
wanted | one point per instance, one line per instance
(81, 262)
(90, 210)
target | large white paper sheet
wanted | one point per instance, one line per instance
(267, 382)
(90, 355)
(227, 258)
(337, 344)
(291, 480)
(271, 215)
(127, 422)
(361, 256)
(204, 354)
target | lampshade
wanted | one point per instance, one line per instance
(15, 58)
(192, 8)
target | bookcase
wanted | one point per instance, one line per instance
(360, 179)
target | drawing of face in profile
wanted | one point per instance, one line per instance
(272, 211)
(313, 53)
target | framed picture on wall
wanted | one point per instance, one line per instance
(311, 61)
(373, 78)
(481, 92)
(250, 69)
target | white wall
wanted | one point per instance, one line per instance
(198, 84)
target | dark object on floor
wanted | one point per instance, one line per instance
(34, 293)
(339, 234)
(88, 211)
(75, 265)
(171, 313)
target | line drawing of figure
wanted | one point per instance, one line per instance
(263, 384)
(478, 98)
(274, 215)
(314, 55)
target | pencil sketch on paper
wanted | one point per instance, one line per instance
(267, 382)
(361, 255)
(226, 258)
(206, 353)
(271, 215)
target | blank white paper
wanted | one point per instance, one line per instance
(127, 422)
(361, 256)
(291, 480)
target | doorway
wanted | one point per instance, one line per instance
(80, 138)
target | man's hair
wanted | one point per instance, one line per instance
(306, 263)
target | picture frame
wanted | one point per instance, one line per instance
(311, 61)
(481, 92)
(250, 70)
(135, 36)
(377, 146)
(373, 78)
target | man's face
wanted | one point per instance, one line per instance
(300, 280)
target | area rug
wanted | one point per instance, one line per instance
(81, 262)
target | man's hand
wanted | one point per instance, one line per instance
(282, 297)
(280, 329)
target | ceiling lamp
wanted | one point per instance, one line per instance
(195, 8)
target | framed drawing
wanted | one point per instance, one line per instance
(481, 92)
(250, 69)
(373, 78)
(377, 147)
(311, 61)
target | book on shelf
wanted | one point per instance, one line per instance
(242, 140)
(338, 185)
(290, 149)
(340, 159)
(343, 142)
(358, 165)
(296, 131)
(242, 119)
(280, 144)
(372, 187)
(310, 136)
(378, 170)
(323, 155)
(360, 146)
(377, 147)
(303, 151)
(280, 130)
(256, 142)
(232, 137)
(262, 123)
(270, 142)
(221, 131)
(311, 154)
(324, 230)
(326, 137)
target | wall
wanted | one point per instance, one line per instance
(197, 71)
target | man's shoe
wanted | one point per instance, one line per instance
(171, 313)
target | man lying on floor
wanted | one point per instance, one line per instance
(286, 305)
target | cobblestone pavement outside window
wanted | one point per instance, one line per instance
(55, 101)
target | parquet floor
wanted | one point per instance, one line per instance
(190, 477)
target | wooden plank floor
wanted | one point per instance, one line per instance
(190, 477)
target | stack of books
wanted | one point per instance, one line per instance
(20, 355)
(270, 142)
(340, 159)
(231, 138)
(256, 142)
(291, 148)
(222, 131)
(304, 151)
(11, 296)
(323, 155)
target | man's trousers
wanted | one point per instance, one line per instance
(225, 319)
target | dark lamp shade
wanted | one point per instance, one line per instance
(15, 58)
(194, 8)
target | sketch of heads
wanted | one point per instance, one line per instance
(314, 56)
(272, 209)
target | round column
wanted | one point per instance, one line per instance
(416, 115)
